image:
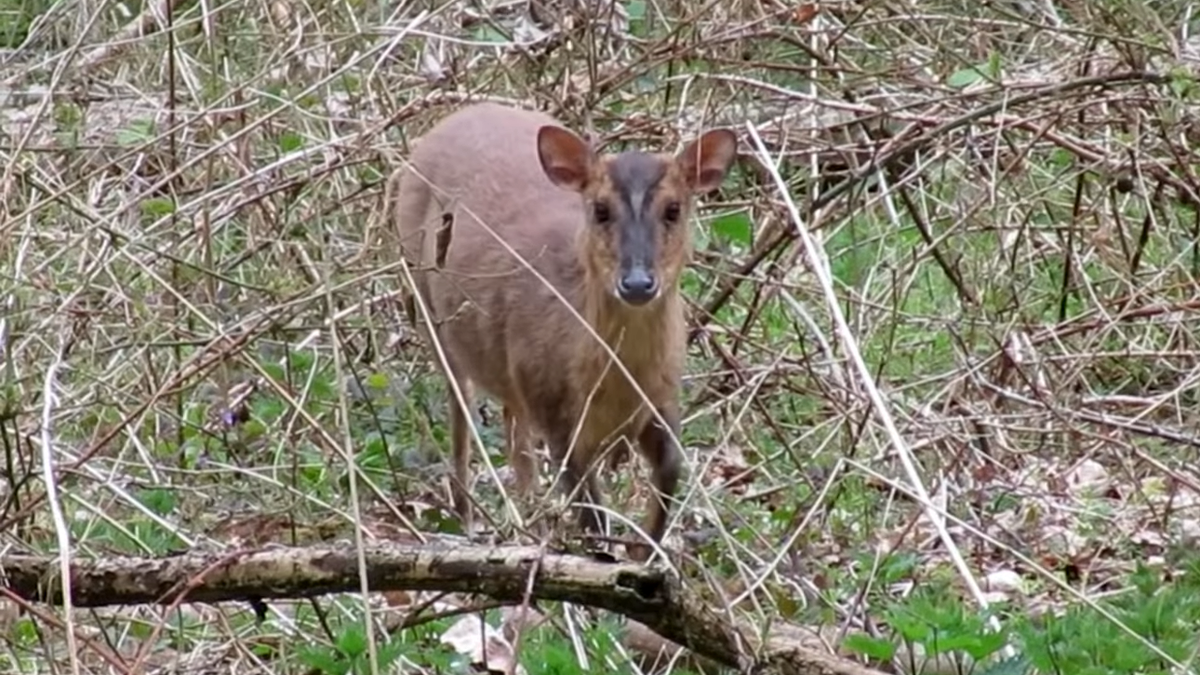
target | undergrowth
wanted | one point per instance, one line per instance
(203, 347)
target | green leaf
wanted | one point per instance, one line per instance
(636, 10)
(897, 567)
(300, 361)
(322, 661)
(389, 653)
(949, 643)
(25, 631)
(1017, 665)
(736, 227)
(910, 628)
(1181, 82)
(485, 33)
(137, 133)
(871, 647)
(158, 206)
(785, 602)
(352, 642)
(68, 139)
(985, 645)
(290, 141)
(964, 78)
(161, 502)
(1061, 157)
(995, 67)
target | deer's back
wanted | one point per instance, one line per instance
(493, 313)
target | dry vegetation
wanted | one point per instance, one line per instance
(994, 381)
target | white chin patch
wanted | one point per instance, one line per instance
(616, 293)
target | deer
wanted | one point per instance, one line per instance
(602, 240)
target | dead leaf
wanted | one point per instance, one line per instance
(395, 599)
(729, 470)
(1088, 478)
(256, 529)
(805, 13)
(518, 619)
(483, 644)
(1002, 581)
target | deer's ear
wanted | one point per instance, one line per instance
(565, 157)
(706, 160)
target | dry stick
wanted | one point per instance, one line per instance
(736, 277)
(171, 176)
(1054, 579)
(144, 25)
(103, 651)
(1100, 419)
(10, 310)
(648, 595)
(179, 593)
(353, 469)
(415, 617)
(520, 622)
(1088, 322)
(905, 143)
(56, 79)
(964, 292)
(323, 435)
(218, 349)
(60, 522)
(877, 403)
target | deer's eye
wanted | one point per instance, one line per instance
(601, 213)
(671, 213)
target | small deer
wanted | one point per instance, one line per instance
(610, 234)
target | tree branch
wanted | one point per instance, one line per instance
(642, 593)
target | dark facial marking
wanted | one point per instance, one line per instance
(635, 178)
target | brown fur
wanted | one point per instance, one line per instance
(506, 333)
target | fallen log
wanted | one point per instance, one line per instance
(646, 594)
